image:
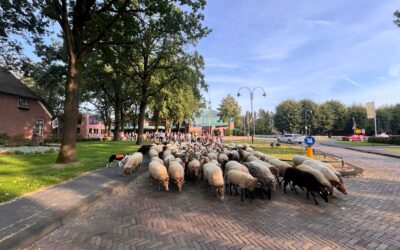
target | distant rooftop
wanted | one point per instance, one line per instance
(9, 84)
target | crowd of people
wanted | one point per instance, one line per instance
(162, 136)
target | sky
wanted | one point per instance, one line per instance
(319, 50)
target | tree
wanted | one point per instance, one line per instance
(84, 24)
(160, 47)
(229, 110)
(287, 116)
(309, 115)
(264, 123)
(359, 113)
(336, 112)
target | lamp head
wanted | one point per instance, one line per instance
(238, 94)
(264, 94)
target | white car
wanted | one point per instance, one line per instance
(291, 138)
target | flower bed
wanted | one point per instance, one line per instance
(28, 150)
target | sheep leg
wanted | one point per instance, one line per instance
(295, 190)
(291, 186)
(316, 202)
(284, 186)
(230, 189)
(307, 194)
(241, 197)
(236, 190)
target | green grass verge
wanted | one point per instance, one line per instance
(361, 143)
(393, 149)
(21, 174)
(284, 152)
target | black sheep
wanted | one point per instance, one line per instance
(304, 179)
(266, 184)
(144, 149)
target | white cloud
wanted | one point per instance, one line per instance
(351, 81)
(222, 65)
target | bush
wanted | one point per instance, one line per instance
(3, 138)
(88, 139)
(52, 139)
(395, 139)
(15, 141)
(228, 132)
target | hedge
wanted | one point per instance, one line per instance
(395, 139)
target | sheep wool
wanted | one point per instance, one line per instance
(230, 165)
(215, 179)
(133, 163)
(159, 173)
(176, 173)
(299, 159)
(318, 175)
(281, 165)
(243, 180)
(152, 153)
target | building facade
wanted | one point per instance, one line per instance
(22, 112)
(88, 126)
(208, 122)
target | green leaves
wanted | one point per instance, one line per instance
(228, 110)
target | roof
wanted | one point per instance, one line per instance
(9, 84)
(208, 118)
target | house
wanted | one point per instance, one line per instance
(88, 126)
(22, 112)
(208, 121)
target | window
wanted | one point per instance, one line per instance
(93, 119)
(90, 130)
(23, 103)
(38, 130)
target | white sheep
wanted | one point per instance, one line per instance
(158, 172)
(215, 179)
(194, 168)
(156, 158)
(265, 169)
(328, 173)
(176, 173)
(245, 181)
(212, 156)
(299, 159)
(234, 165)
(167, 159)
(281, 165)
(251, 158)
(133, 163)
(153, 153)
(317, 174)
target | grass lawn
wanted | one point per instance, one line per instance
(21, 174)
(361, 143)
(284, 152)
(393, 149)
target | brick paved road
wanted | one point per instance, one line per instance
(140, 217)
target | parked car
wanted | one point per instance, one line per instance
(354, 138)
(291, 138)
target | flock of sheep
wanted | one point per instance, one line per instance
(225, 167)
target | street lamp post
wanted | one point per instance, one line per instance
(251, 107)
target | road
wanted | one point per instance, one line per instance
(141, 217)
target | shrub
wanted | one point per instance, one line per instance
(395, 139)
(88, 139)
(228, 132)
(16, 141)
(3, 138)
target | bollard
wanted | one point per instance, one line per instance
(309, 151)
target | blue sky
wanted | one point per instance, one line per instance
(321, 50)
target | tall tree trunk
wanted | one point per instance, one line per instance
(117, 124)
(142, 111)
(67, 151)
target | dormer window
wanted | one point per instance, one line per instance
(23, 103)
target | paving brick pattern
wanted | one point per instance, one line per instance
(141, 217)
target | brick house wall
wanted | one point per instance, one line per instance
(15, 121)
(85, 129)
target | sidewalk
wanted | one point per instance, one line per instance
(379, 150)
(27, 219)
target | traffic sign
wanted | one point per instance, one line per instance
(309, 140)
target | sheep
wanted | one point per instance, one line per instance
(156, 158)
(212, 156)
(299, 159)
(133, 163)
(167, 159)
(245, 181)
(234, 165)
(318, 175)
(251, 158)
(266, 184)
(265, 168)
(153, 153)
(159, 173)
(329, 174)
(176, 173)
(258, 154)
(158, 148)
(267, 158)
(223, 159)
(281, 165)
(194, 168)
(233, 155)
(215, 179)
(306, 180)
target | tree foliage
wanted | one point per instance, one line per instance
(229, 110)
(288, 116)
